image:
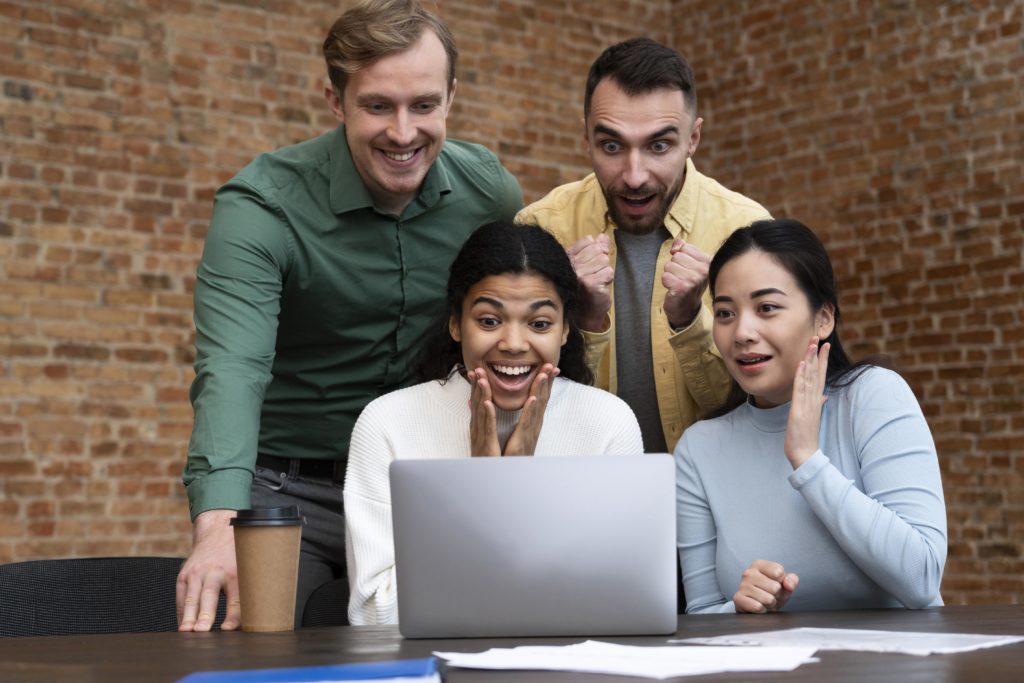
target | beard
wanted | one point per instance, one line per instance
(659, 200)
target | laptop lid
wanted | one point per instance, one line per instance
(535, 546)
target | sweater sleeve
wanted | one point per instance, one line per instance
(369, 539)
(625, 431)
(696, 536)
(895, 529)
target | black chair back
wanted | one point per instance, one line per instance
(90, 595)
(327, 605)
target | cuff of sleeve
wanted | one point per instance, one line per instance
(718, 608)
(803, 474)
(602, 336)
(596, 343)
(699, 329)
(220, 490)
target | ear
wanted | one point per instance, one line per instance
(694, 141)
(586, 136)
(334, 102)
(565, 332)
(451, 97)
(825, 321)
(453, 329)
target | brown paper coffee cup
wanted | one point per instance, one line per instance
(267, 544)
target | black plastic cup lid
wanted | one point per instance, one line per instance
(286, 516)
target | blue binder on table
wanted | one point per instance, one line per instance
(381, 672)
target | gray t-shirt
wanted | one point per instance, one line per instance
(635, 272)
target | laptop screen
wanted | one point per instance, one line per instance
(535, 546)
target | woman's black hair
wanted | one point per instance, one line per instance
(503, 248)
(796, 248)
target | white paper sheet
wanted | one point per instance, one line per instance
(905, 642)
(627, 660)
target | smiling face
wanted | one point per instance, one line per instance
(510, 326)
(394, 112)
(638, 146)
(763, 324)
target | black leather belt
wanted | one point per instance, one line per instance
(304, 467)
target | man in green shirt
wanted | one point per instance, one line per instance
(324, 265)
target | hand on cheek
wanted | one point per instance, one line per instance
(483, 427)
(523, 440)
(808, 399)
(764, 587)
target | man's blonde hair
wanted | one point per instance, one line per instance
(373, 28)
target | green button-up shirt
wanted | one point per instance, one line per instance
(310, 303)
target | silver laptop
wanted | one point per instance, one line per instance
(525, 546)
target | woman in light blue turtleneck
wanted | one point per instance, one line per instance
(818, 486)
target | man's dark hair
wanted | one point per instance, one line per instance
(640, 65)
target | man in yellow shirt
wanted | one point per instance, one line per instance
(640, 231)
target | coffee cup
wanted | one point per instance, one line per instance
(267, 552)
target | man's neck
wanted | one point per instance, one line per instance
(391, 205)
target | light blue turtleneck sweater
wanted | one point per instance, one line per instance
(862, 522)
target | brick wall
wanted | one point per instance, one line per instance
(523, 67)
(119, 120)
(895, 129)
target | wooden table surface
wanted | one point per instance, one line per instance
(156, 657)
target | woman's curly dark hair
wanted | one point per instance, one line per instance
(502, 248)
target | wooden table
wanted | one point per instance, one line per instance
(156, 657)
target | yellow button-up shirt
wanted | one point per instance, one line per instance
(689, 376)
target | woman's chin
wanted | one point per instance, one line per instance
(510, 403)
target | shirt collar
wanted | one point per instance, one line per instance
(348, 192)
(679, 220)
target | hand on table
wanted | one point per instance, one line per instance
(208, 571)
(764, 587)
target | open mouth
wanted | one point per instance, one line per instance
(638, 201)
(752, 360)
(511, 370)
(508, 378)
(400, 156)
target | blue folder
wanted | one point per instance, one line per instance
(368, 671)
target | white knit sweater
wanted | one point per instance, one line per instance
(431, 420)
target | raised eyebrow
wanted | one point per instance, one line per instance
(541, 303)
(497, 303)
(374, 97)
(602, 129)
(758, 293)
(488, 300)
(667, 130)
